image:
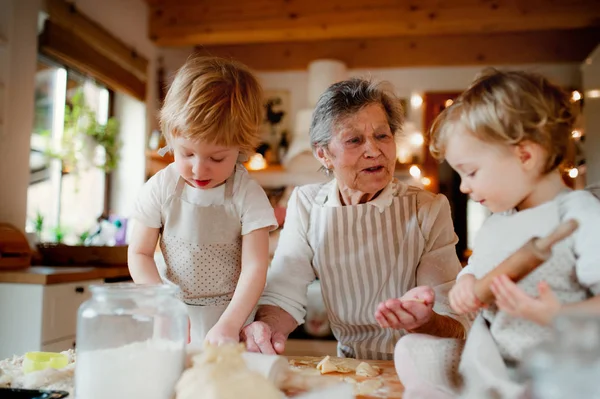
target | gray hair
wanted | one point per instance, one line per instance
(346, 98)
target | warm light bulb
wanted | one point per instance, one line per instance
(403, 154)
(576, 134)
(593, 93)
(415, 171)
(426, 181)
(416, 100)
(416, 139)
(448, 102)
(575, 96)
(573, 173)
(257, 162)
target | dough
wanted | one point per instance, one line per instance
(365, 388)
(221, 373)
(366, 370)
(328, 365)
(368, 387)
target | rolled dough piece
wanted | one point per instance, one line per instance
(366, 370)
(327, 365)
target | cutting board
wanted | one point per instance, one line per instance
(390, 388)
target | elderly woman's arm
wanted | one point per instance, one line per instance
(282, 307)
(439, 266)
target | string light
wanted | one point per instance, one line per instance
(403, 154)
(416, 139)
(573, 173)
(593, 93)
(257, 162)
(416, 100)
(575, 96)
(576, 134)
(448, 102)
(426, 181)
(415, 171)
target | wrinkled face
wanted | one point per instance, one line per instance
(362, 151)
(491, 174)
(203, 165)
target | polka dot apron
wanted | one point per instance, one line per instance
(202, 247)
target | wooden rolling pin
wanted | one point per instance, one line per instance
(277, 370)
(535, 252)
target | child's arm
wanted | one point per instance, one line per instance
(462, 295)
(255, 260)
(141, 255)
(591, 306)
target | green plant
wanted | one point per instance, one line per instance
(83, 237)
(38, 223)
(81, 122)
(59, 234)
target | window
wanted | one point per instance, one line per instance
(69, 202)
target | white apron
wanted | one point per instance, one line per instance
(484, 372)
(365, 256)
(202, 247)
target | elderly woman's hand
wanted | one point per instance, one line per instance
(410, 312)
(259, 337)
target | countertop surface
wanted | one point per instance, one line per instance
(61, 274)
(385, 386)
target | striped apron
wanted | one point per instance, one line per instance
(364, 256)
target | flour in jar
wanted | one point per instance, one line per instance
(147, 369)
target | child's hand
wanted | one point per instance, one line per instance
(462, 296)
(410, 312)
(223, 333)
(514, 301)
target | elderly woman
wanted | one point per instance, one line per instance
(383, 251)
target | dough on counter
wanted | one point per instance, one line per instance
(368, 387)
(327, 365)
(365, 388)
(221, 373)
(366, 370)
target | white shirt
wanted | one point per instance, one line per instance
(572, 272)
(521, 226)
(291, 270)
(249, 199)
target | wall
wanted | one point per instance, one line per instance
(413, 80)
(591, 113)
(18, 55)
(130, 175)
(405, 80)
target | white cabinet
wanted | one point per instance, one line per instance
(40, 317)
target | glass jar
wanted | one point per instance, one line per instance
(131, 342)
(568, 365)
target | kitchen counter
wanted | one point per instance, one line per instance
(46, 275)
(392, 387)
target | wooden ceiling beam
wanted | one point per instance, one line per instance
(208, 22)
(67, 16)
(453, 50)
(74, 51)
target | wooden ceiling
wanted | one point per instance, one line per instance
(287, 34)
